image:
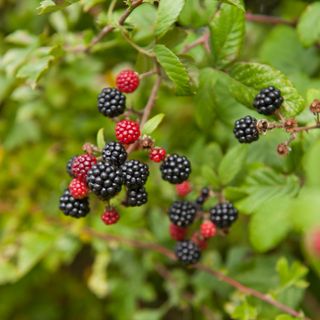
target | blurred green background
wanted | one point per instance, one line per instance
(50, 268)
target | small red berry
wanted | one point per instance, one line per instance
(110, 216)
(208, 229)
(78, 189)
(127, 131)
(199, 240)
(176, 232)
(127, 81)
(157, 154)
(82, 164)
(183, 188)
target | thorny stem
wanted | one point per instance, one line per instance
(170, 255)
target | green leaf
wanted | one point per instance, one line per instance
(309, 25)
(152, 124)
(168, 13)
(244, 311)
(252, 77)
(270, 224)
(227, 34)
(284, 317)
(100, 139)
(232, 163)
(237, 3)
(264, 184)
(175, 70)
(210, 177)
(311, 165)
(47, 6)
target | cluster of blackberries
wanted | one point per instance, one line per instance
(266, 102)
(183, 213)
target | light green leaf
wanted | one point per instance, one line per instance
(284, 317)
(237, 3)
(252, 77)
(88, 4)
(270, 224)
(210, 177)
(232, 163)
(311, 165)
(100, 139)
(244, 311)
(21, 37)
(152, 124)
(175, 70)
(47, 6)
(168, 13)
(227, 34)
(309, 25)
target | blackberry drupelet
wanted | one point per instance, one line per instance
(175, 169)
(115, 153)
(134, 173)
(75, 208)
(187, 252)
(111, 102)
(223, 215)
(182, 213)
(136, 197)
(268, 100)
(104, 180)
(245, 130)
(69, 166)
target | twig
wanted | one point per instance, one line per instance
(203, 40)
(269, 19)
(108, 29)
(147, 74)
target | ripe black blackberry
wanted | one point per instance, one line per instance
(111, 102)
(187, 252)
(268, 100)
(104, 180)
(69, 167)
(245, 130)
(182, 213)
(175, 169)
(70, 206)
(134, 173)
(223, 215)
(115, 153)
(136, 197)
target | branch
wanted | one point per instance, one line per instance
(260, 18)
(203, 40)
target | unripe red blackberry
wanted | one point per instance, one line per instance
(268, 100)
(200, 240)
(177, 233)
(187, 252)
(134, 173)
(127, 81)
(115, 153)
(69, 166)
(182, 213)
(111, 102)
(208, 229)
(110, 216)
(184, 188)
(175, 169)
(136, 197)
(76, 208)
(104, 180)
(127, 131)
(245, 130)
(82, 164)
(157, 154)
(223, 215)
(78, 189)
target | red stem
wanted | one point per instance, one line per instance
(268, 19)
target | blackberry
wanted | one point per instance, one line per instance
(111, 102)
(182, 213)
(175, 169)
(201, 200)
(136, 197)
(104, 180)
(223, 215)
(205, 192)
(268, 100)
(115, 153)
(245, 130)
(187, 252)
(69, 166)
(134, 173)
(70, 206)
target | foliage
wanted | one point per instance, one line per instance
(50, 266)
